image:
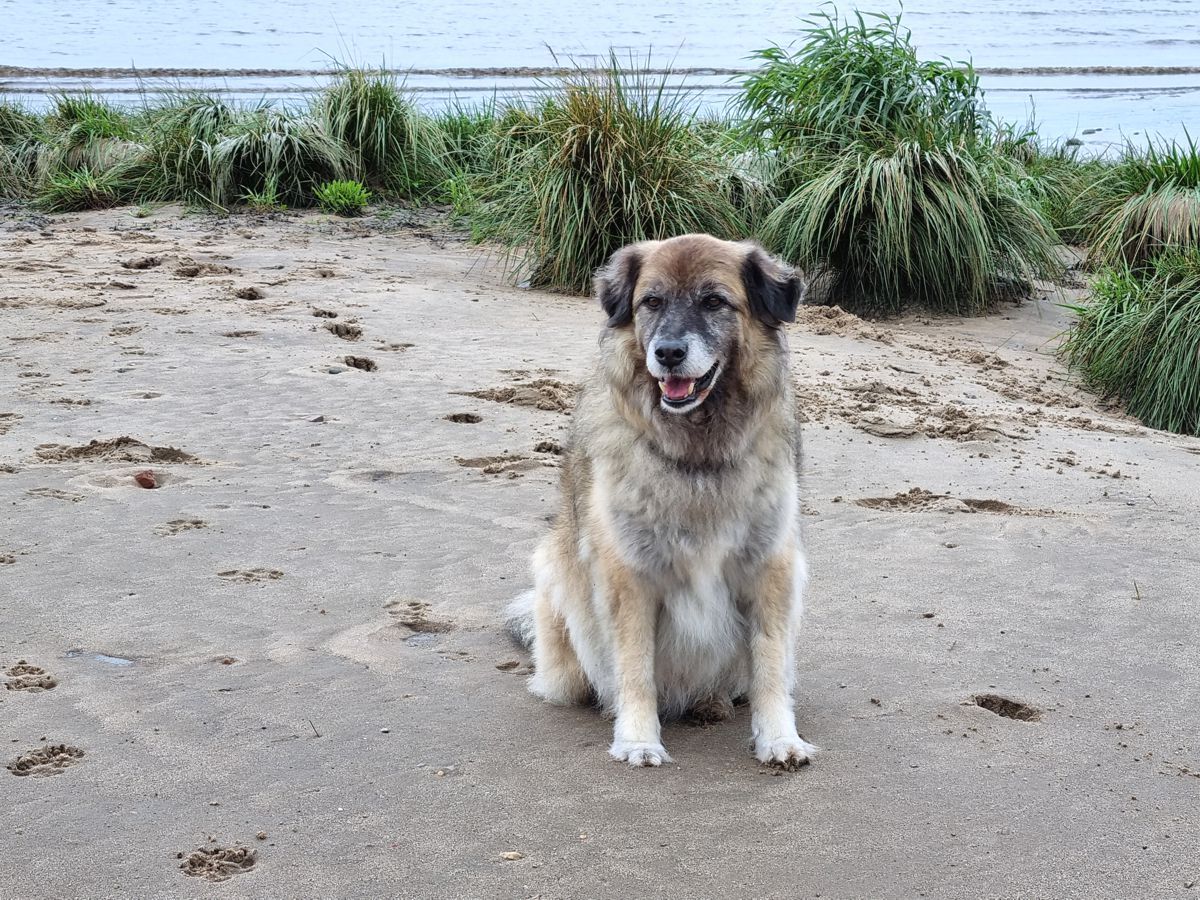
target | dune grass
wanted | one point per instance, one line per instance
(1138, 339)
(859, 79)
(285, 152)
(79, 189)
(897, 184)
(611, 157)
(390, 145)
(1149, 203)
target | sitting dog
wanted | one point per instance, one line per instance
(671, 583)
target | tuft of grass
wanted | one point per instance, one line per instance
(937, 227)
(389, 145)
(264, 201)
(272, 149)
(896, 185)
(1138, 339)
(79, 189)
(343, 198)
(1150, 203)
(83, 133)
(857, 80)
(181, 136)
(17, 124)
(609, 159)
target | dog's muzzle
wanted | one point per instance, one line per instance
(681, 394)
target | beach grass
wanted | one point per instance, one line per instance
(897, 186)
(609, 158)
(1148, 203)
(1137, 339)
(390, 146)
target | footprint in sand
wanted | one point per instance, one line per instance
(249, 293)
(345, 330)
(190, 269)
(249, 332)
(51, 759)
(54, 494)
(414, 615)
(26, 677)
(324, 313)
(251, 576)
(365, 363)
(463, 418)
(7, 421)
(218, 863)
(176, 526)
(142, 262)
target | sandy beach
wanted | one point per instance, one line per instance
(283, 666)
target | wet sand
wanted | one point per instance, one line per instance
(281, 671)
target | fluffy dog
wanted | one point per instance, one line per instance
(672, 581)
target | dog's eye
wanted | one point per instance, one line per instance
(712, 301)
(652, 302)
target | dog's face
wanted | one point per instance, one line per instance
(690, 301)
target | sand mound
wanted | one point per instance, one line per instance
(121, 449)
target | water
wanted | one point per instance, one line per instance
(1076, 66)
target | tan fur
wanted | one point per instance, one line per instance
(671, 582)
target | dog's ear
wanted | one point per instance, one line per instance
(773, 288)
(615, 282)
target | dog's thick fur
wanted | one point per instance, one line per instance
(672, 580)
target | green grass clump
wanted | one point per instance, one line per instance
(180, 138)
(79, 189)
(610, 159)
(937, 227)
(389, 144)
(17, 125)
(343, 198)
(896, 186)
(273, 149)
(1138, 338)
(1149, 203)
(858, 80)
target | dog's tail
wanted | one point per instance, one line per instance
(520, 619)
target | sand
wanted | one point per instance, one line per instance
(296, 631)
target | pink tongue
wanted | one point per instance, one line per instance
(678, 388)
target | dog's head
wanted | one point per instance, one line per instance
(695, 304)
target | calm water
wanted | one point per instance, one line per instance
(1051, 44)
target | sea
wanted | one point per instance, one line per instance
(1103, 73)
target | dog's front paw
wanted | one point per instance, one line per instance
(639, 753)
(788, 752)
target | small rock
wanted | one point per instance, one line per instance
(507, 665)
(262, 835)
(385, 731)
(146, 479)
(512, 855)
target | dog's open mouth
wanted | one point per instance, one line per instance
(678, 393)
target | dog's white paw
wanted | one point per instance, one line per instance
(787, 752)
(639, 753)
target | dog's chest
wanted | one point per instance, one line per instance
(686, 528)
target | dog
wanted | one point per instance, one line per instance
(671, 583)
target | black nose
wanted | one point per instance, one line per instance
(670, 353)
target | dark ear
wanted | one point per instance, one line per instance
(615, 282)
(773, 288)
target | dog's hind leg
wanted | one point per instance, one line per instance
(775, 600)
(557, 675)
